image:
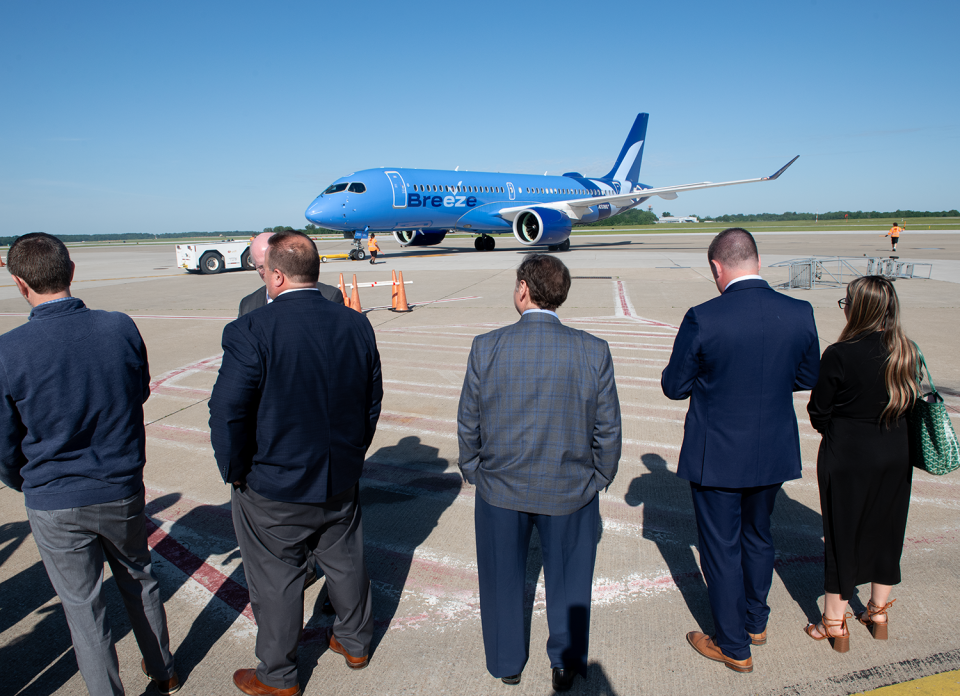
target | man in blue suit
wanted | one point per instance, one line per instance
(539, 432)
(739, 358)
(292, 414)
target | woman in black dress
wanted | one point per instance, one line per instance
(868, 381)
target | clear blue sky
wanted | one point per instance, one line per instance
(180, 116)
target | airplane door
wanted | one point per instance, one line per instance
(513, 194)
(399, 189)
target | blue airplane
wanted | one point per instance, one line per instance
(419, 206)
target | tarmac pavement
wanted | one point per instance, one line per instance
(631, 290)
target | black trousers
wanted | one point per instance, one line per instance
(279, 542)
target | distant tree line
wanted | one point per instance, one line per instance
(838, 215)
(631, 217)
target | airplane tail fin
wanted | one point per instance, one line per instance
(627, 167)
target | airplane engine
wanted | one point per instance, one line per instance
(418, 237)
(541, 226)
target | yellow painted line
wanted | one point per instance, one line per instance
(945, 684)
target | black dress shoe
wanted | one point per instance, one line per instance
(512, 681)
(563, 678)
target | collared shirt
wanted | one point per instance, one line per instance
(296, 290)
(50, 302)
(544, 311)
(737, 280)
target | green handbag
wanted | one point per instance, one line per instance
(933, 441)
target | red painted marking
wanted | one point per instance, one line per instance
(228, 590)
(205, 364)
(622, 294)
(174, 390)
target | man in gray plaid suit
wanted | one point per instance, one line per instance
(539, 432)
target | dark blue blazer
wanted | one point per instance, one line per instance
(297, 399)
(539, 417)
(739, 358)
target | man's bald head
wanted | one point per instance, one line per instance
(295, 255)
(258, 251)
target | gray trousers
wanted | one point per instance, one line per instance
(278, 542)
(73, 544)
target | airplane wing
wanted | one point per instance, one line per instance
(575, 208)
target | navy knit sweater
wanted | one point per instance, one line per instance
(72, 386)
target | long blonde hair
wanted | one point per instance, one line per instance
(873, 306)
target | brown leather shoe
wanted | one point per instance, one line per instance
(352, 662)
(704, 645)
(758, 638)
(246, 680)
(164, 686)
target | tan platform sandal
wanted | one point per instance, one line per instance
(841, 643)
(877, 630)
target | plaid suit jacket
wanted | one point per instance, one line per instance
(539, 417)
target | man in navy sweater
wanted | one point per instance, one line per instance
(72, 386)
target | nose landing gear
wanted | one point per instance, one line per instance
(357, 253)
(484, 243)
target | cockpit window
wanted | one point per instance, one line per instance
(357, 187)
(335, 188)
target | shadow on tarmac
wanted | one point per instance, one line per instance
(596, 682)
(404, 491)
(46, 650)
(797, 536)
(214, 524)
(674, 532)
(45, 656)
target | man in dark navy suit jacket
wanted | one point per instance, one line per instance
(292, 414)
(739, 358)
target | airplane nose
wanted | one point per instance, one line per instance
(315, 212)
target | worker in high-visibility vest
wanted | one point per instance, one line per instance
(894, 235)
(372, 247)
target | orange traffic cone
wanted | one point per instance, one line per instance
(393, 293)
(343, 291)
(2, 264)
(355, 296)
(401, 297)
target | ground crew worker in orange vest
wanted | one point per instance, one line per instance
(894, 235)
(372, 247)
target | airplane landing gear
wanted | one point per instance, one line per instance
(357, 253)
(562, 246)
(484, 243)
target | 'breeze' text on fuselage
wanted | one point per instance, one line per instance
(419, 206)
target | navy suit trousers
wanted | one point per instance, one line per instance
(736, 556)
(569, 547)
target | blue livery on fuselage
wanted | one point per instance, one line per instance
(419, 206)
